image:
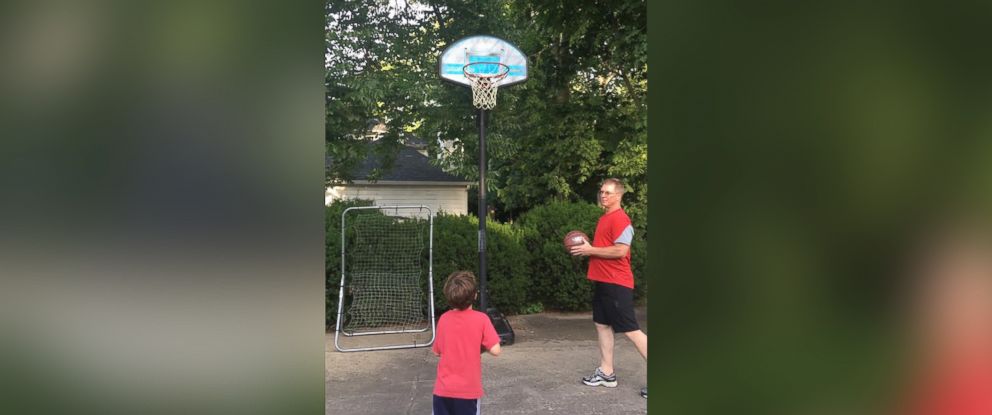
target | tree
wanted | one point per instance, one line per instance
(580, 117)
(371, 73)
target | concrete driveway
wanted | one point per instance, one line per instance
(539, 374)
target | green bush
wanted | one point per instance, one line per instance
(638, 262)
(456, 248)
(559, 279)
(332, 255)
(528, 269)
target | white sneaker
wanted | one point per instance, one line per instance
(598, 378)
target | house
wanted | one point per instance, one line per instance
(411, 181)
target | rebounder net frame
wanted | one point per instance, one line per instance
(382, 290)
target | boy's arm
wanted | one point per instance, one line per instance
(489, 336)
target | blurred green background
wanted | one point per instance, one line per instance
(161, 224)
(797, 150)
(161, 227)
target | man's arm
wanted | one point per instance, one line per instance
(618, 250)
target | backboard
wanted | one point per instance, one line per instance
(483, 48)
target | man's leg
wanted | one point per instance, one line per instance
(640, 341)
(605, 334)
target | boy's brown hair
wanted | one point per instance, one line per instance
(459, 289)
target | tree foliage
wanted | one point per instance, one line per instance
(580, 117)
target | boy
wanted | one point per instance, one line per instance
(461, 332)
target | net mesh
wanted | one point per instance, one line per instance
(385, 269)
(485, 86)
(484, 93)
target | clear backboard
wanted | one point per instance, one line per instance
(479, 49)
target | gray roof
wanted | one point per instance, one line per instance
(410, 166)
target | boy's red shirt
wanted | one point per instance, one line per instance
(459, 335)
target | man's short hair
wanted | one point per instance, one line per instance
(459, 289)
(617, 184)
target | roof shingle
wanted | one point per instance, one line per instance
(410, 166)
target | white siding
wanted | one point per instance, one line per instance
(439, 198)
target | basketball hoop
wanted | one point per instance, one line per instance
(485, 77)
(484, 63)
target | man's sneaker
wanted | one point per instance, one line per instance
(644, 392)
(599, 378)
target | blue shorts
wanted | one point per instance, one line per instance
(455, 406)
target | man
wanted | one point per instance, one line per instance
(613, 280)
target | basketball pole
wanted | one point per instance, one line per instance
(483, 292)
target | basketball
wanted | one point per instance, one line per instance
(574, 238)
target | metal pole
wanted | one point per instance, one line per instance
(483, 294)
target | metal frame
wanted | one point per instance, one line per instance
(338, 330)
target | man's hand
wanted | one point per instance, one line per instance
(581, 250)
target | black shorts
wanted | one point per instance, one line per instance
(455, 406)
(613, 305)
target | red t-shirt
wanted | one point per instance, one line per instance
(459, 335)
(612, 228)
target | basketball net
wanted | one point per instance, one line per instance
(485, 86)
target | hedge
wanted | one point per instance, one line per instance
(456, 248)
(332, 255)
(528, 269)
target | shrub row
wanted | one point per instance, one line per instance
(527, 268)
